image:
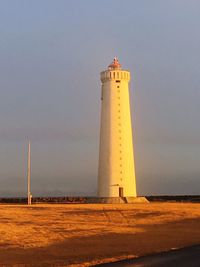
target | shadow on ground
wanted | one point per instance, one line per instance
(107, 246)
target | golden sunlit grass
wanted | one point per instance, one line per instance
(64, 235)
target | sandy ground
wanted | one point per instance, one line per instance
(86, 234)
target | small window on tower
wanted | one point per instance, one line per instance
(117, 81)
(102, 93)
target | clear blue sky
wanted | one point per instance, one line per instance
(51, 53)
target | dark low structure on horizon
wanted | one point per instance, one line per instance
(84, 200)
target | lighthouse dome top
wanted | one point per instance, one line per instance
(115, 72)
(115, 64)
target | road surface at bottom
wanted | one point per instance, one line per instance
(185, 257)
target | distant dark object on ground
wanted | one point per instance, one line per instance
(179, 198)
(51, 200)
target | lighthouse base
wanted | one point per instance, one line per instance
(117, 200)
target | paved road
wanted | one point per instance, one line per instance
(186, 257)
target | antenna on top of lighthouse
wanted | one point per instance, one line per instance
(29, 174)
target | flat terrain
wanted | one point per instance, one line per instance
(86, 234)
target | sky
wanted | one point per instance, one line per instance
(51, 54)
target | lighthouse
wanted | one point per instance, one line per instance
(116, 172)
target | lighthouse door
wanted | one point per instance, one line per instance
(121, 192)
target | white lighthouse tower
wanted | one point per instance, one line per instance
(116, 174)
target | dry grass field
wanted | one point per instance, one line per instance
(82, 235)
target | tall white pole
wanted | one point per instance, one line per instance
(29, 173)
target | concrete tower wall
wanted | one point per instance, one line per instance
(116, 175)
